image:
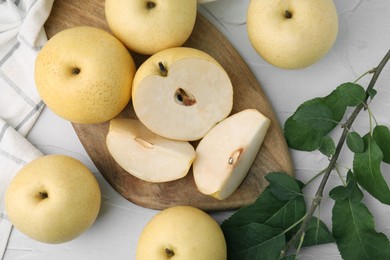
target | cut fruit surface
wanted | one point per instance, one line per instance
(146, 155)
(226, 153)
(180, 93)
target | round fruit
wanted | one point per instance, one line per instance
(182, 232)
(181, 93)
(292, 34)
(53, 199)
(84, 75)
(147, 27)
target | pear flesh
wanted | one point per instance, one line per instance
(226, 153)
(181, 93)
(146, 155)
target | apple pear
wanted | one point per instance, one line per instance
(146, 155)
(182, 233)
(53, 199)
(147, 27)
(180, 93)
(84, 74)
(292, 34)
(226, 153)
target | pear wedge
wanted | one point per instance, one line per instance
(226, 153)
(147, 155)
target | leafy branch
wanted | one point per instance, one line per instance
(279, 220)
(319, 194)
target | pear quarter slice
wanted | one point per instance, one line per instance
(226, 153)
(146, 155)
(181, 93)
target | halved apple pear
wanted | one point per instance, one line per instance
(226, 153)
(146, 155)
(181, 93)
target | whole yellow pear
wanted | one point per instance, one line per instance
(147, 27)
(53, 199)
(182, 233)
(84, 74)
(292, 34)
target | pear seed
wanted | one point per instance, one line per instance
(184, 98)
(144, 143)
(235, 156)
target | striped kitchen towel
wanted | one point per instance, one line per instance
(21, 37)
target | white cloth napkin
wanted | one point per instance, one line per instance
(21, 37)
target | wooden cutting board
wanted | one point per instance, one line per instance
(273, 155)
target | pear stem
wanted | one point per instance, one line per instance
(288, 14)
(163, 70)
(43, 195)
(76, 71)
(169, 252)
(150, 5)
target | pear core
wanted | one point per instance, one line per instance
(180, 93)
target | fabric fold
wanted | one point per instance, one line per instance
(22, 35)
(15, 152)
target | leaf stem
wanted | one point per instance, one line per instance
(301, 242)
(371, 118)
(340, 176)
(319, 194)
(295, 224)
(314, 177)
(364, 74)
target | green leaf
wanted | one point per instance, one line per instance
(381, 135)
(328, 146)
(355, 142)
(289, 257)
(300, 137)
(353, 192)
(366, 167)
(315, 116)
(372, 92)
(283, 186)
(317, 233)
(351, 94)
(336, 104)
(270, 211)
(254, 241)
(353, 226)
(265, 207)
